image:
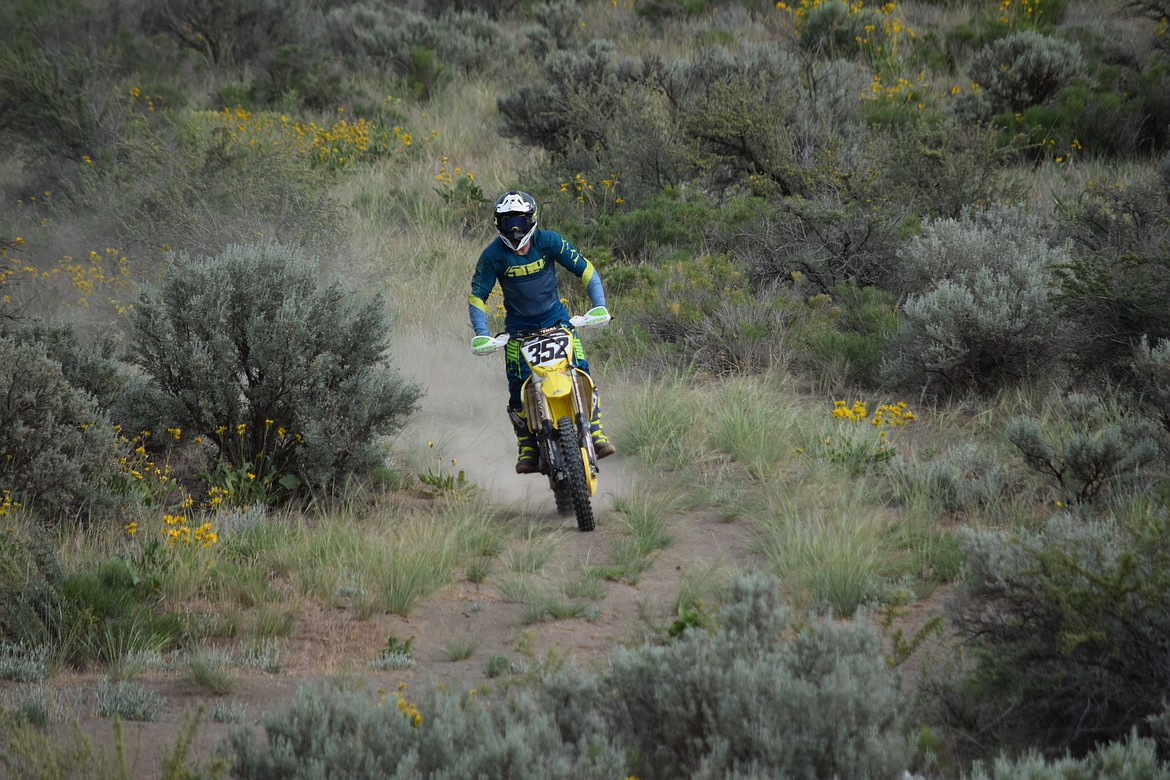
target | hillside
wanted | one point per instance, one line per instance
(889, 378)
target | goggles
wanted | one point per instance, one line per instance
(515, 224)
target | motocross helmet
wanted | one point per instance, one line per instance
(515, 218)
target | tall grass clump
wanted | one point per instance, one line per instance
(660, 421)
(31, 576)
(645, 515)
(284, 378)
(1133, 757)
(752, 422)
(969, 479)
(833, 557)
(421, 556)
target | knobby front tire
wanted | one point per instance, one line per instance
(574, 482)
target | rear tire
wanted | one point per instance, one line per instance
(574, 485)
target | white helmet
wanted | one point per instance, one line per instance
(516, 218)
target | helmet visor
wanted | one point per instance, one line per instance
(514, 225)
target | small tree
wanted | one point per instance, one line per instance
(286, 374)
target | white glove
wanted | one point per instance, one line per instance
(486, 345)
(594, 318)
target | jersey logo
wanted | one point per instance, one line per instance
(525, 270)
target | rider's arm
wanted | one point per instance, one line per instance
(593, 288)
(482, 282)
(477, 312)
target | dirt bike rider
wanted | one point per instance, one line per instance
(523, 260)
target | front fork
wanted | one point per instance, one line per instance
(544, 412)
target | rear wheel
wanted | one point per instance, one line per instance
(574, 484)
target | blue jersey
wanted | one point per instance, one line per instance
(529, 283)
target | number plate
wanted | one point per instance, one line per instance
(543, 350)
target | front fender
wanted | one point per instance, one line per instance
(556, 386)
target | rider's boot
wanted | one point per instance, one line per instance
(601, 445)
(527, 461)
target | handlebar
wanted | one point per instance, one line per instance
(486, 345)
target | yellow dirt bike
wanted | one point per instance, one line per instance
(558, 402)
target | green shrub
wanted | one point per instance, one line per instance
(979, 315)
(1116, 285)
(1064, 628)
(739, 109)
(1152, 369)
(1089, 446)
(429, 733)
(1021, 70)
(847, 335)
(938, 169)
(731, 118)
(30, 582)
(46, 104)
(558, 26)
(1081, 121)
(1134, 759)
(665, 223)
(835, 31)
(821, 703)
(56, 446)
(225, 34)
(578, 84)
(385, 36)
(700, 314)
(286, 375)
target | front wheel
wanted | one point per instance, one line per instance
(573, 483)
(564, 498)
